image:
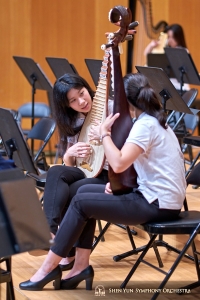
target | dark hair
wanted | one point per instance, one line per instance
(178, 34)
(141, 95)
(64, 115)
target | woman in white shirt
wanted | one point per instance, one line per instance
(155, 152)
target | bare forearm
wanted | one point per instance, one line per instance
(69, 160)
(112, 153)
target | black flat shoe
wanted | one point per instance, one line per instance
(67, 266)
(38, 285)
(73, 282)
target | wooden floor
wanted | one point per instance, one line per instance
(110, 274)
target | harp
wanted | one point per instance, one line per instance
(154, 32)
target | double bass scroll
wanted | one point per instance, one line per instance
(121, 182)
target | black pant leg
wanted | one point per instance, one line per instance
(86, 208)
(56, 194)
(102, 178)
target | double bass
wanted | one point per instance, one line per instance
(121, 182)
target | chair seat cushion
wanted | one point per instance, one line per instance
(40, 179)
(192, 140)
(186, 222)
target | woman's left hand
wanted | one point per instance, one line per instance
(108, 188)
(107, 124)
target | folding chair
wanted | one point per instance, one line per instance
(42, 131)
(192, 141)
(6, 277)
(187, 223)
(176, 120)
(17, 148)
(41, 110)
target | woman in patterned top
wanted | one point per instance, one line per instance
(72, 97)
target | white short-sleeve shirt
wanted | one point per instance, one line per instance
(160, 168)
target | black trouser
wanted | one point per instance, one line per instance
(91, 204)
(61, 185)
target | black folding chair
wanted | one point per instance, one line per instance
(42, 131)
(41, 110)
(17, 147)
(188, 223)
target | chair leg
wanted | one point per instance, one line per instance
(9, 285)
(100, 229)
(172, 269)
(139, 260)
(197, 283)
(97, 240)
(161, 243)
(192, 165)
(136, 251)
(189, 147)
(177, 261)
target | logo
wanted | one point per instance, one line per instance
(100, 290)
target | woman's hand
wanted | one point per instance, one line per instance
(108, 188)
(107, 124)
(94, 133)
(79, 149)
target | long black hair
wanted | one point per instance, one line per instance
(64, 115)
(178, 34)
(140, 94)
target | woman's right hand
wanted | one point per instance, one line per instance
(153, 44)
(107, 124)
(79, 149)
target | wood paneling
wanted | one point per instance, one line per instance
(74, 30)
(185, 13)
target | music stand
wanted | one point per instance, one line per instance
(14, 142)
(60, 66)
(35, 76)
(166, 92)
(22, 222)
(160, 60)
(183, 66)
(94, 68)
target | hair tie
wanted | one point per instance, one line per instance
(64, 82)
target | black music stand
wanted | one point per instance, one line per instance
(14, 142)
(183, 66)
(166, 92)
(37, 79)
(19, 214)
(35, 76)
(160, 60)
(60, 66)
(94, 68)
(23, 225)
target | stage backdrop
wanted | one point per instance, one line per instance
(74, 30)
